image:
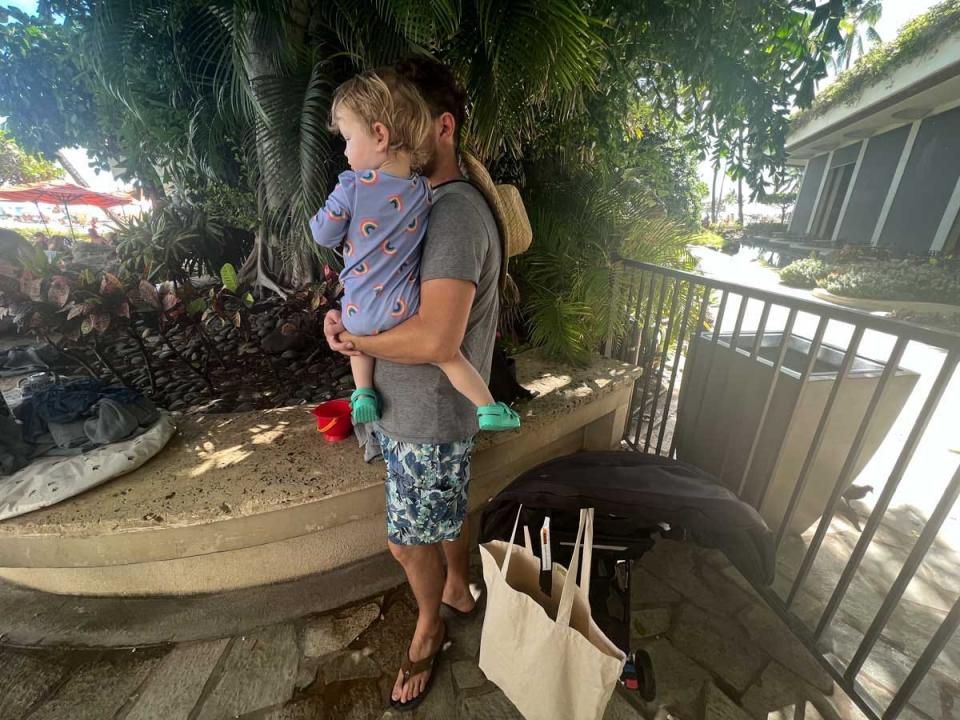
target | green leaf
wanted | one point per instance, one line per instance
(228, 276)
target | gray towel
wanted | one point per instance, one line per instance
(368, 443)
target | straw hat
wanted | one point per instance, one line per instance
(506, 204)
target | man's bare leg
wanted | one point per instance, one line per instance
(456, 589)
(424, 569)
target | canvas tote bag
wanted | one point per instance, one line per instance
(546, 653)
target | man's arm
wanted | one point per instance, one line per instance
(433, 335)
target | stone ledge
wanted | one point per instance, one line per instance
(246, 499)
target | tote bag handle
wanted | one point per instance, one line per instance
(505, 565)
(584, 534)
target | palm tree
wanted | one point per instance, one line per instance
(262, 74)
(866, 16)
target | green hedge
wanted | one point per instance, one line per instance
(913, 280)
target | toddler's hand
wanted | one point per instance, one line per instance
(332, 327)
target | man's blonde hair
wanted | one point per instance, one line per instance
(386, 97)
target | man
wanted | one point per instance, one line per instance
(426, 428)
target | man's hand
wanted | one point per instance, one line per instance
(332, 327)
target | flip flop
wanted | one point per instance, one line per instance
(364, 406)
(410, 669)
(498, 416)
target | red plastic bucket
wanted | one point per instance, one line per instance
(333, 420)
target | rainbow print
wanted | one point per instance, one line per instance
(336, 215)
(399, 308)
(388, 248)
(361, 269)
(351, 310)
(377, 289)
(396, 202)
(368, 226)
(413, 225)
(368, 177)
(347, 248)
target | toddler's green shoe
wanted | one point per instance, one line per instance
(364, 406)
(496, 417)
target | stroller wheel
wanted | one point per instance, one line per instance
(646, 682)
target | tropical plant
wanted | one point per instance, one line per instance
(805, 273)
(583, 224)
(177, 241)
(858, 26)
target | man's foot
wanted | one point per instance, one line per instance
(461, 602)
(414, 677)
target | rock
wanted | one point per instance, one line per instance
(278, 342)
(467, 675)
(330, 633)
(289, 355)
(316, 368)
(649, 622)
(716, 645)
(717, 706)
(348, 665)
(24, 679)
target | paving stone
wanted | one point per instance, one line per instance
(443, 700)
(307, 672)
(175, 685)
(98, 690)
(467, 675)
(389, 637)
(717, 646)
(674, 563)
(348, 665)
(489, 706)
(24, 679)
(772, 635)
(649, 622)
(620, 708)
(777, 689)
(717, 706)
(334, 632)
(259, 671)
(647, 589)
(679, 679)
(355, 701)
(312, 707)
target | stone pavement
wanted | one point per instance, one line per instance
(718, 653)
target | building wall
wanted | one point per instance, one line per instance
(871, 186)
(808, 194)
(927, 185)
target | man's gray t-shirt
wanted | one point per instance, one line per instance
(462, 243)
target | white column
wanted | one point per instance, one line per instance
(948, 220)
(895, 182)
(853, 184)
(816, 200)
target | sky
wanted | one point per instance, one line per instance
(895, 14)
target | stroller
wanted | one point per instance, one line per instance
(637, 499)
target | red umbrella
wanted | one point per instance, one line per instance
(63, 193)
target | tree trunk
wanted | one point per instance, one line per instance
(271, 266)
(740, 200)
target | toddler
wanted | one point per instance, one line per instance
(378, 213)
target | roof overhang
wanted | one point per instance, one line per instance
(926, 86)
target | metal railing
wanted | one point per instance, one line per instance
(691, 333)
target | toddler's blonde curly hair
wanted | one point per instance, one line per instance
(388, 98)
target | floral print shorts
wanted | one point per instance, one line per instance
(426, 489)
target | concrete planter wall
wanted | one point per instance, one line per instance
(716, 434)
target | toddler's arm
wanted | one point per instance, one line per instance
(329, 226)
